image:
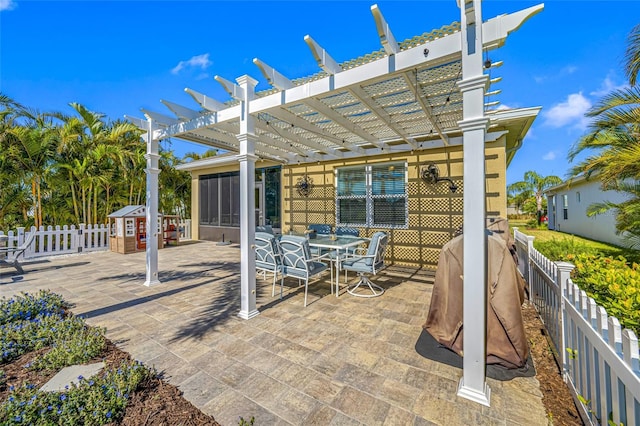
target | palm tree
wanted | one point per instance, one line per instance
(614, 140)
(535, 185)
(632, 56)
(32, 147)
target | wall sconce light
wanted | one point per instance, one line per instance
(431, 174)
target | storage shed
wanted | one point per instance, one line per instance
(128, 230)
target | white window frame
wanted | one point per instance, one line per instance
(370, 197)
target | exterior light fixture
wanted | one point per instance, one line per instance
(431, 174)
(487, 63)
(304, 186)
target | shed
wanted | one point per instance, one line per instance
(128, 229)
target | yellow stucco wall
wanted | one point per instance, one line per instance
(435, 214)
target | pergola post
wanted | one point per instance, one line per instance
(473, 385)
(152, 172)
(247, 159)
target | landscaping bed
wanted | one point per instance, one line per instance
(39, 337)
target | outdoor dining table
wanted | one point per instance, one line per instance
(340, 244)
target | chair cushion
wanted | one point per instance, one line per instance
(320, 228)
(342, 230)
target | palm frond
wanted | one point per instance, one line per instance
(632, 55)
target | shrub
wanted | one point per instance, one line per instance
(28, 306)
(94, 401)
(612, 283)
(558, 249)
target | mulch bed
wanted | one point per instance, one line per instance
(154, 403)
(556, 398)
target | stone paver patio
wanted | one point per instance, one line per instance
(338, 361)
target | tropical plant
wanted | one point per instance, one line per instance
(533, 186)
(614, 140)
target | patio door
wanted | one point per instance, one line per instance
(259, 194)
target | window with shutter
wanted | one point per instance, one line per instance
(372, 196)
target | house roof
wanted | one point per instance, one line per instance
(402, 97)
(129, 211)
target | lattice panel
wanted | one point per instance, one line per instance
(392, 85)
(406, 237)
(437, 239)
(441, 222)
(395, 98)
(338, 100)
(430, 256)
(405, 255)
(403, 108)
(439, 89)
(452, 70)
(316, 205)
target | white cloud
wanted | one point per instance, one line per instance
(199, 61)
(503, 107)
(569, 69)
(7, 5)
(568, 113)
(608, 85)
(549, 156)
(202, 76)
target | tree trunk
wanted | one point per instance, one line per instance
(73, 197)
(34, 201)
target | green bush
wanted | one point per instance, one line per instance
(613, 283)
(28, 306)
(95, 401)
(558, 249)
(31, 322)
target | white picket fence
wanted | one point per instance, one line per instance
(51, 241)
(600, 359)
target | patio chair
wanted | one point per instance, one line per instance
(15, 252)
(268, 257)
(265, 228)
(320, 229)
(297, 261)
(370, 263)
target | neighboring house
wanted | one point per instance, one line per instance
(567, 210)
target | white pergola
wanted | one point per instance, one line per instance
(425, 92)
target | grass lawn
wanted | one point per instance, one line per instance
(545, 235)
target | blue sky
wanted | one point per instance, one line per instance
(116, 57)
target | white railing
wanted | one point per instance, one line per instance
(52, 241)
(600, 359)
(185, 229)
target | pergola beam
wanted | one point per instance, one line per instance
(359, 93)
(273, 77)
(267, 128)
(350, 126)
(160, 119)
(426, 108)
(324, 60)
(384, 32)
(295, 121)
(205, 101)
(235, 91)
(180, 111)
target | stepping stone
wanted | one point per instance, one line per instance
(68, 375)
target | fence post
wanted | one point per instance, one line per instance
(564, 274)
(81, 237)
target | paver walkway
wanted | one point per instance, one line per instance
(338, 361)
